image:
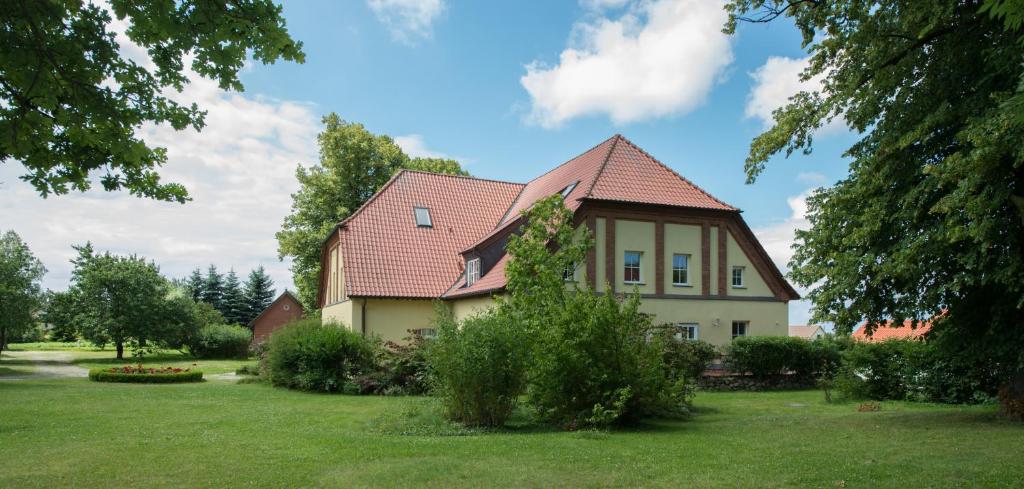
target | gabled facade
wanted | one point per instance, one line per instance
(425, 237)
(285, 309)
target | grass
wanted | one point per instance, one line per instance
(71, 432)
(90, 357)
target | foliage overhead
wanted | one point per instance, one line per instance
(71, 101)
(931, 215)
(354, 164)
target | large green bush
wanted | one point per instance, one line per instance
(685, 359)
(765, 356)
(221, 341)
(479, 366)
(404, 366)
(311, 356)
(593, 365)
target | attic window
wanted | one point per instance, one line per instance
(472, 271)
(422, 217)
(568, 189)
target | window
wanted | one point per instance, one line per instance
(568, 189)
(472, 271)
(287, 307)
(426, 333)
(737, 277)
(680, 269)
(687, 331)
(631, 270)
(739, 328)
(422, 217)
(569, 274)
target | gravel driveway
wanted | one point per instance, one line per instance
(44, 365)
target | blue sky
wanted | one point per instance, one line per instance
(511, 89)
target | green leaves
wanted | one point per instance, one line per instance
(70, 102)
(20, 290)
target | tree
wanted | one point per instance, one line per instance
(59, 312)
(259, 293)
(20, 290)
(930, 220)
(233, 300)
(354, 164)
(213, 289)
(195, 285)
(70, 102)
(123, 300)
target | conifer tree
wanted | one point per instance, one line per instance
(259, 293)
(233, 300)
(213, 289)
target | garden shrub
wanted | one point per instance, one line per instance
(765, 356)
(684, 359)
(221, 341)
(480, 367)
(404, 366)
(137, 376)
(311, 356)
(593, 365)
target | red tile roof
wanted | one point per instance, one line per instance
(386, 255)
(887, 331)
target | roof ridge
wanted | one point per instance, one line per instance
(699, 189)
(566, 162)
(597, 176)
(465, 177)
(374, 196)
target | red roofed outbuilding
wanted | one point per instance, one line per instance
(890, 330)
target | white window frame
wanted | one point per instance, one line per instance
(746, 329)
(569, 274)
(426, 333)
(742, 276)
(426, 212)
(694, 327)
(686, 269)
(639, 267)
(472, 271)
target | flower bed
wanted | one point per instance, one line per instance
(145, 375)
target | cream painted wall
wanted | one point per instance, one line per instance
(464, 308)
(347, 313)
(765, 318)
(754, 284)
(390, 319)
(635, 236)
(599, 253)
(684, 240)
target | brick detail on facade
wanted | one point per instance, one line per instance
(659, 256)
(592, 253)
(705, 259)
(282, 311)
(723, 261)
(609, 252)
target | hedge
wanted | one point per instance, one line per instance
(105, 375)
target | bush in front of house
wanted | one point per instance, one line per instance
(145, 375)
(594, 365)
(684, 359)
(480, 367)
(308, 355)
(404, 366)
(221, 341)
(766, 356)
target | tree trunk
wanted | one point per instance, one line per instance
(120, 350)
(3, 339)
(1011, 397)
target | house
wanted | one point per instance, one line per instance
(908, 329)
(285, 309)
(426, 237)
(806, 331)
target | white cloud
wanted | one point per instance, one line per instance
(239, 171)
(775, 82)
(408, 20)
(778, 239)
(660, 58)
(414, 146)
(811, 178)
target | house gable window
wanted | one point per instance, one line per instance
(472, 271)
(422, 215)
(631, 267)
(738, 278)
(680, 269)
(739, 328)
(687, 331)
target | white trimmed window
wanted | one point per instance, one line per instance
(426, 333)
(687, 331)
(631, 267)
(569, 274)
(738, 277)
(739, 328)
(680, 269)
(472, 271)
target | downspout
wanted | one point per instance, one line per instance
(362, 317)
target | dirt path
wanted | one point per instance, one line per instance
(43, 364)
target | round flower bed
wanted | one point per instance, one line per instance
(145, 375)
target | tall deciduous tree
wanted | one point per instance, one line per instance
(20, 290)
(70, 102)
(931, 215)
(59, 313)
(354, 164)
(259, 293)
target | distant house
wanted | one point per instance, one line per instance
(424, 238)
(285, 309)
(893, 331)
(806, 331)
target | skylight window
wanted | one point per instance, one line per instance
(423, 217)
(568, 189)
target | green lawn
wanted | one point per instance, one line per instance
(63, 433)
(88, 356)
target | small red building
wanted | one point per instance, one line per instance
(285, 309)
